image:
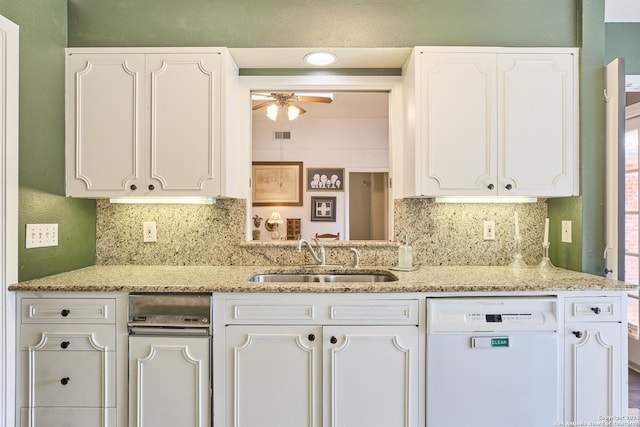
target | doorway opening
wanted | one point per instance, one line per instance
(368, 205)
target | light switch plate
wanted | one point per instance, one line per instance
(149, 231)
(41, 235)
(566, 231)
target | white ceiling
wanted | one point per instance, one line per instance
(622, 11)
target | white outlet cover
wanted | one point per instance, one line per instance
(566, 232)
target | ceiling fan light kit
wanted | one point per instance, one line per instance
(320, 58)
(288, 101)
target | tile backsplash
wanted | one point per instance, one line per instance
(440, 234)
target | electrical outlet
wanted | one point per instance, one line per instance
(566, 231)
(41, 235)
(149, 232)
(489, 230)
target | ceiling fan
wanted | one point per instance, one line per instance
(289, 101)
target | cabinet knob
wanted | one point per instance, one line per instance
(596, 310)
(133, 187)
(578, 334)
(490, 186)
(64, 381)
(607, 271)
(333, 340)
(64, 344)
(311, 337)
(65, 312)
(508, 186)
(151, 187)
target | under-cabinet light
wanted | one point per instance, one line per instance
(165, 200)
(480, 199)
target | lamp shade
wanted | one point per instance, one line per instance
(275, 218)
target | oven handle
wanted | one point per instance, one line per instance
(169, 331)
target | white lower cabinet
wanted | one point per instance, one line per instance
(169, 381)
(295, 376)
(594, 353)
(286, 375)
(67, 362)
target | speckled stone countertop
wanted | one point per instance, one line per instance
(132, 278)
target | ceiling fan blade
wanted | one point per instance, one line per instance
(298, 106)
(324, 99)
(263, 104)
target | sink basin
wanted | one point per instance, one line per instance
(323, 278)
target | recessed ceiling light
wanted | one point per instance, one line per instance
(320, 58)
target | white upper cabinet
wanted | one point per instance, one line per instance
(491, 122)
(145, 122)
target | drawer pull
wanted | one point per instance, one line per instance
(311, 337)
(596, 310)
(333, 340)
(578, 334)
(64, 381)
(65, 312)
(64, 344)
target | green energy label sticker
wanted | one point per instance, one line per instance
(500, 342)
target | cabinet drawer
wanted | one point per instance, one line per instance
(68, 337)
(54, 310)
(387, 312)
(261, 311)
(353, 312)
(69, 378)
(592, 309)
(67, 417)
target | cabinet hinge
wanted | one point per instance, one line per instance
(249, 182)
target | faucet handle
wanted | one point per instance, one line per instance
(356, 257)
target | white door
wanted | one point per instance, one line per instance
(8, 211)
(458, 123)
(184, 124)
(536, 124)
(105, 129)
(169, 382)
(274, 378)
(371, 376)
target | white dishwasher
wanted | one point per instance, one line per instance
(492, 362)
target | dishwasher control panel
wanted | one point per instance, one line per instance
(489, 314)
(504, 318)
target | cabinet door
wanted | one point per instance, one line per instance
(274, 376)
(371, 376)
(536, 124)
(593, 379)
(104, 134)
(184, 109)
(458, 99)
(169, 382)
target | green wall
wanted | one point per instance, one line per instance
(47, 26)
(43, 37)
(337, 23)
(623, 40)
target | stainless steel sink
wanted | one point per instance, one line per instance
(323, 278)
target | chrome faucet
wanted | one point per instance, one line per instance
(320, 260)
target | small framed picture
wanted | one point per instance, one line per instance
(325, 179)
(323, 209)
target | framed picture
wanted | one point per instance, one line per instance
(277, 183)
(325, 179)
(323, 209)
